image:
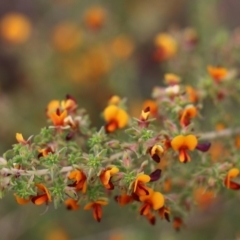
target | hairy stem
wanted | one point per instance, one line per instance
(228, 132)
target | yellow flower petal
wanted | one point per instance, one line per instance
(110, 112)
(122, 118)
(157, 200)
(191, 142)
(114, 170)
(114, 100)
(178, 142)
(21, 200)
(19, 137)
(88, 206)
(145, 198)
(141, 178)
(101, 202)
(233, 173)
(171, 78)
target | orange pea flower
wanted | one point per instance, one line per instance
(152, 105)
(177, 223)
(143, 120)
(45, 151)
(96, 208)
(187, 114)
(58, 117)
(166, 47)
(152, 201)
(183, 144)
(15, 28)
(106, 176)
(145, 114)
(44, 197)
(72, 204)
(95, 17)
(192, 94)
(20, 200)
(123, 199)
(138, 186)
(232, 173)
(80, 180)
(115, 118)
(156, 152)
(21, 140)
(52, 107)
(69, 104)
(217, 73)
(171, 79)
(164, 213)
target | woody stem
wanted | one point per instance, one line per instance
(228, 132)
(14, 171)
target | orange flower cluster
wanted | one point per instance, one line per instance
(95, 17)
(60, 113)
(80, 184)
(217, 73)
(166, 47)
(232, 173)
(90, 179)
(115, 116)
(41, 198)
(15, 28)
(150, 200)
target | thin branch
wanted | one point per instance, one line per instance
(13, 171)
(205, 136)
(228, 132)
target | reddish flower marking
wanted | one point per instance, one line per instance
(123, 199)
(106, 176)
(164, 213)
(232, 173)
(177, 223)
(156, 152)
(151, 218)
(72, 204)
(58, 117)
(153, 201)
(45, 197)
(45, 151)
(96, 208)
(138, 186)
(80, 180)
(187, 114)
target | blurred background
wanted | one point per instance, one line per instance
(93, 50)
